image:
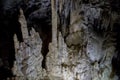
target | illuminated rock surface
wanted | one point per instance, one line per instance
(80, 45)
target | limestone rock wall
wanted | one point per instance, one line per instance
(81, 49)
(90, 62)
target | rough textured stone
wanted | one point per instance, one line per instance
(28, 54)
(82, 49)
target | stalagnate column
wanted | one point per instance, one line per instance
(54, 22)
(52, 60)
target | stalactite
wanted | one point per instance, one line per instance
(83, 50)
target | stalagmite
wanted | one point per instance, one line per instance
(23, 23)
(28, 54)
(81, 54)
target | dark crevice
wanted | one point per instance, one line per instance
(44, 28)
(46, 40)
(116, 57)
(46, 36)
(38, 15)
(9, 26)
(45, 32)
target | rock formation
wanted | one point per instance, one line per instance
(28, 54)
(84, 40)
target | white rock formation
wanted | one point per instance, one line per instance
(28, 54)
(90, 61)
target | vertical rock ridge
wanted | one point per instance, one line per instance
(81, 49)
(28, 54)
